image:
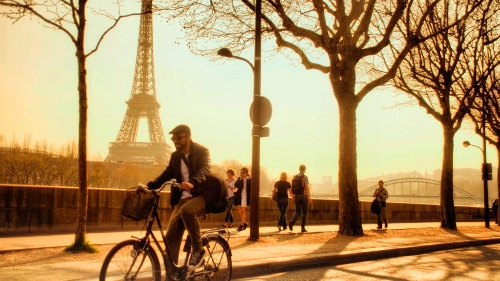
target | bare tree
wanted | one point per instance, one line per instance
(488, 88)
(442, 74)
(46, 161)
(491, 93)
(341, 39)
(70, 18)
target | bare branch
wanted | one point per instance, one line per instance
(29, 8)
(103, 35)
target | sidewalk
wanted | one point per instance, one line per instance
(8, 244)
(320, 246)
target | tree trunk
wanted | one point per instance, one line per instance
(448, 218)
(349, 207)
(498, 179)
(81, 223)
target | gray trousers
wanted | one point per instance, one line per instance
(381, 216)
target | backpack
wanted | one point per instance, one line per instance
(215, 193)
(297, 186)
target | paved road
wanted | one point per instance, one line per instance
(477, 263)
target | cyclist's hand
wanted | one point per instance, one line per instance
(140, 188)
(187, 185)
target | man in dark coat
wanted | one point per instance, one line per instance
(190, 166)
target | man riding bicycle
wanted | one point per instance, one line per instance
(190, 166)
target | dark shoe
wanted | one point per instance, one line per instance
(279, 228)
(386, 225)
(240, 228)
(196, 260)
(290, 225)
(303, 230)
(245, 226)
(230, 224)
(225, 224)
(379, 227)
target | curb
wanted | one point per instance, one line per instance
(271, 267)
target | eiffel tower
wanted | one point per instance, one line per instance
(142, 104)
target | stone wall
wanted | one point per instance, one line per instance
(52, 209)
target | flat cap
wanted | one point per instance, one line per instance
(181, 129)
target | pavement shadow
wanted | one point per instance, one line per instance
(463, 236)
(279, 239)
(36, 259)
(337, 243)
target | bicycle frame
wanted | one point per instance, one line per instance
(173, 270)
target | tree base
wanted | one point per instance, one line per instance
(448, 225)
(81, 246)
(351, 227)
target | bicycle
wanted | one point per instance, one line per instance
(136, 259)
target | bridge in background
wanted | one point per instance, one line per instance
(415, 190)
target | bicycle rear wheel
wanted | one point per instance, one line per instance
(129, 260)
(218, 264)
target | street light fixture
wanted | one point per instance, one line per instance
(486, 170)
(225, 52)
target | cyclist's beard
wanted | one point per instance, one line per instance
(180, 146)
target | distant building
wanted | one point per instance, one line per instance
(326, 179)
(324, 187)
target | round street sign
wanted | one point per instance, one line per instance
(266, 111)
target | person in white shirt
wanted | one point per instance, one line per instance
(228, 221)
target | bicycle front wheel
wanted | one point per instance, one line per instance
(218, 264)
(130, 260)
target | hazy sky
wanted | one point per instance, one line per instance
(38, 96)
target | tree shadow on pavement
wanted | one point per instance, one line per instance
(464, 236)
(271, 240)
(332, 242)
(47, 256)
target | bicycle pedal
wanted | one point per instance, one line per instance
(200, 267)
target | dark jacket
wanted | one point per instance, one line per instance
(239, 185)
(199, 169)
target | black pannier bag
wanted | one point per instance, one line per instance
(137, 205)
(215, 193)
(375, 207)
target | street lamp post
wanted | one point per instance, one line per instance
(256, 121)
(254, 199)
(486, 172)
(256, 134)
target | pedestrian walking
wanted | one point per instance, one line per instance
(494, 208)
(282, 188)
(301, 197)
(228, 221)
(381, 194)
(242, 197)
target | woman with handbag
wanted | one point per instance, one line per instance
(243, 187)
(280, 194)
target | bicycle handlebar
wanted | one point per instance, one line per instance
(144, 188)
